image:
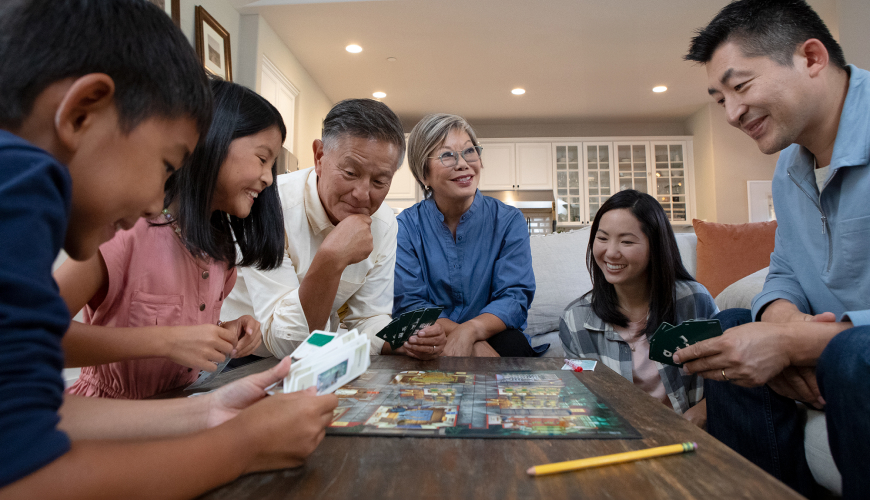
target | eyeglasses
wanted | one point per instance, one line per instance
(450, 158)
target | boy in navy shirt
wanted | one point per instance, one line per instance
(99, 103)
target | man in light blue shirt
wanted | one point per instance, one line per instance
(782, 79)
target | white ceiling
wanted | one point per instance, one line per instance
(579, 60)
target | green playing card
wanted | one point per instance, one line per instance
(665, 342)
(389, 332)
(402, 328)
(421, 319)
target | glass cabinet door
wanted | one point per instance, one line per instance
(670, 179)
(632, 166)
(598, 187)
(568, 195)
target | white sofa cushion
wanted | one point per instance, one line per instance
(740, 293)
(688, 245)
(559, 262)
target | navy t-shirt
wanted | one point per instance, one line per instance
(35, 197)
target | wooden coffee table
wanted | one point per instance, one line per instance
(362, 467)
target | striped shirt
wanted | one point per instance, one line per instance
(585, 335)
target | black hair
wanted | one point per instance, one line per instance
(238, 112)
(664, 269)
(769, 28)
(364, 118)
(155, 70)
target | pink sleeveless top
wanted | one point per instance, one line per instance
(153, 280)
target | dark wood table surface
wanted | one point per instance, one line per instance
(362, 467)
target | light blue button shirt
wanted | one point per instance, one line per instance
(821, 261)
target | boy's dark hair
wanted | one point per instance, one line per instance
(664, 269)
(155, 70)
(769, 28)
(238, 112)
(364, 118)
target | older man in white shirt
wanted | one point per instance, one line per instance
(340, 240)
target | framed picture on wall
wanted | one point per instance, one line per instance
(213, 45)
(171, 8)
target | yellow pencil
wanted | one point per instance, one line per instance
(619, 458)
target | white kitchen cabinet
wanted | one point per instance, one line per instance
(568, 191)
(632, 165)
(499, 166)
(661, 168)
(516, 166)
(671, 178)
(584, 172)
(534, 166)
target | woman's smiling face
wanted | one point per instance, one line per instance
(457, 184)
(621, 249)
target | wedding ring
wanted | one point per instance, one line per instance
(723, 375)
(433, 349)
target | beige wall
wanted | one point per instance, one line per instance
(700, 126)
(251, 38)
(725, 158)
(312, 104)
(854, 21)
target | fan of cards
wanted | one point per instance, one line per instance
(327, 360)
(402, 328)
(668, 338)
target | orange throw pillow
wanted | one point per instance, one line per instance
(729, 252)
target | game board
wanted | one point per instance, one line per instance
(528, 404)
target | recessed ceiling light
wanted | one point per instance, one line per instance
(518, 91)
(380, 95)
(659, 89)
(353, 49)
(391, 59)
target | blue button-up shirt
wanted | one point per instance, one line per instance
(486, 269)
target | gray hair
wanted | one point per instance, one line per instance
(364, 118)
(428, 135)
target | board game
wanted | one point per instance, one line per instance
(518, 404)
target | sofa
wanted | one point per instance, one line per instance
(559, 262)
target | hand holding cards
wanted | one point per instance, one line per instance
(328, 361)
(402, 328)
(668, 339)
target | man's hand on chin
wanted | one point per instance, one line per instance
(351, 240)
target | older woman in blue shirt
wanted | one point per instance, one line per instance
(461, 250)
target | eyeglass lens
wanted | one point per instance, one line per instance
(451, 158)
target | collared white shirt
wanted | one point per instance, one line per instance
(365, 294)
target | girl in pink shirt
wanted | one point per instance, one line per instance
(152, 294)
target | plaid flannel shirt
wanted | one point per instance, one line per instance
(585, 335)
